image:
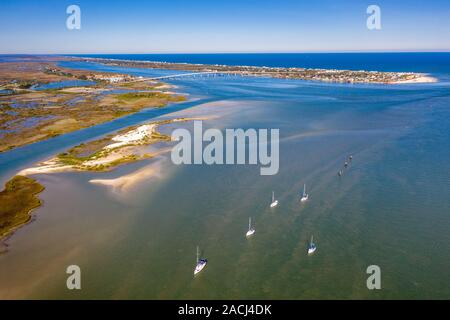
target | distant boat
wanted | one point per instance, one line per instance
(312, 246)
(346, 164)
(274, 202)
(305, 196)
(201, 263)
(251, 231)
(340, 173)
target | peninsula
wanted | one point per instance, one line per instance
(326, 75)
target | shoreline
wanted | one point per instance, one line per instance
(425, 78)
(315, 74)
(19, 199)
(108, 153)
(29, 114)
(126, 182)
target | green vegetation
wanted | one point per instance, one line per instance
(70, 159)
(58, 72)
(113, 164)
(61, 115)
(156, 99)
(56, 111)
(89, 149)
(79, 156)
(25, 84)
(160, 137)
(79, 162)
(137, 85)
(16, 202)
(133, 96)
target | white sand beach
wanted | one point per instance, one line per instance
(133, 136)
(422, 79)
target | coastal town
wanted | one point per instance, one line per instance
(325, 75)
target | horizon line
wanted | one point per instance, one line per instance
(231, 52)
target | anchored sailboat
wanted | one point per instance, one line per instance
(312, 246)
(251, 231)
(305, 196)
(274, 202)
(201, 263)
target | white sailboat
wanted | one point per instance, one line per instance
(305, 196)
(312, 246)
(274, 202)
(201, 263)
(251, 231)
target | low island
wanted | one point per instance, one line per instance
(325, 75)
(17, 200)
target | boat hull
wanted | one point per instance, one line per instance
(200, 266)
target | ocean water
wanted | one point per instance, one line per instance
(435, 62)
(390, 208)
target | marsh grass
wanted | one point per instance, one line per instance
(17, 200)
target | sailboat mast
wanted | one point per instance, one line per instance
(249, 223)
(273, 196)
(304, 189)
(198, 255)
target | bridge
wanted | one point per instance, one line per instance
(195, 75)
(214, 74)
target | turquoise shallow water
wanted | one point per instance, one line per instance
(390, 208)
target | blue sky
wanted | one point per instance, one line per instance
(166, 26)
